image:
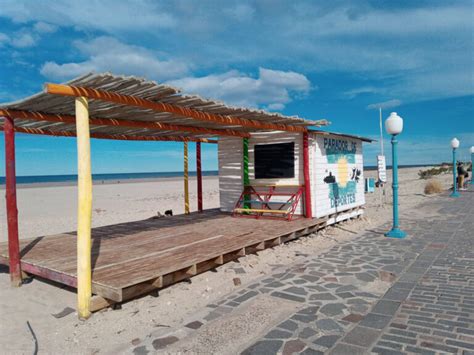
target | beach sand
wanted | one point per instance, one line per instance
(48, 210)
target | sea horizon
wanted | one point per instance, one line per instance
(107, 177)
(64, 178)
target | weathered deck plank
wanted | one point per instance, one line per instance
(133, 258)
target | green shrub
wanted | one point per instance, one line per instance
(428, 173)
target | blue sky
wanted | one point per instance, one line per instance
(337, 60)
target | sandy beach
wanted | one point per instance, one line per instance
(47, 210)
(125, 201)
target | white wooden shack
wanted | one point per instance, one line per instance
(336, 170)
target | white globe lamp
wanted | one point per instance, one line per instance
(455, 143)
(394, 124)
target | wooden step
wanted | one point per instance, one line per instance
(243, 210)
(269, 202)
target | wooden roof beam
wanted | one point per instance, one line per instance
(112, 136)
(38, 116)
(67, 90)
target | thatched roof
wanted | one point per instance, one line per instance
(127, 107)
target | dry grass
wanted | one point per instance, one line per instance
(426, 174)
(433, 187)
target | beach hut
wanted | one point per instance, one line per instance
(270, 166)
(269, 176)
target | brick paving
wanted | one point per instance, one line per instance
(428, 306)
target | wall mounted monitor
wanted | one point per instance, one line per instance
(274, 161)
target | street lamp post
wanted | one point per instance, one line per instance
(472, 164)
(394, 126)
(454, 145)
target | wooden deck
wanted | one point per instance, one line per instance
(134, 258)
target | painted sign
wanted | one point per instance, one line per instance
(382, 168)
(342, 173)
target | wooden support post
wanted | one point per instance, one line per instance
(307, 180)
(199, 176)
(240, 252)
(192, 270)
(273, 242)
(246, 161)
(158, 282)
(219, 260)
(186, 179)
(84, 210)
(12, 210)
(246, 179)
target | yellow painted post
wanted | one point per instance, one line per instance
(186, 179)
(84, 209)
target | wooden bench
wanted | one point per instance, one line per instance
(261, 195)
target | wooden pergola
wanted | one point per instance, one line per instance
(106, 106)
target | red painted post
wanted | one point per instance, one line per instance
(199, 175)
(307, 181)
(12, 211)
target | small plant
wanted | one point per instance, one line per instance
(426, 174)
(433, 187)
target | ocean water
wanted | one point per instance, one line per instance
(401, 166)
(129, 176)
(102, 177)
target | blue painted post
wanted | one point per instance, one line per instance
(455, 193)
(395, 232)
(472, 167)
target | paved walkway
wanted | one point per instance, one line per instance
(369, 295)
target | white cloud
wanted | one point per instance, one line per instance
(4, 39)
(106, 15)
(53, 70)
(27, 37)
(289, 79)
(419, 50)
(43, 27)
(360, 91)
(23, 40)
(385, 105)
(275, 107)
(416, 21)
(404, 47)
(273, 88)
(109, 54)
(241, 12)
